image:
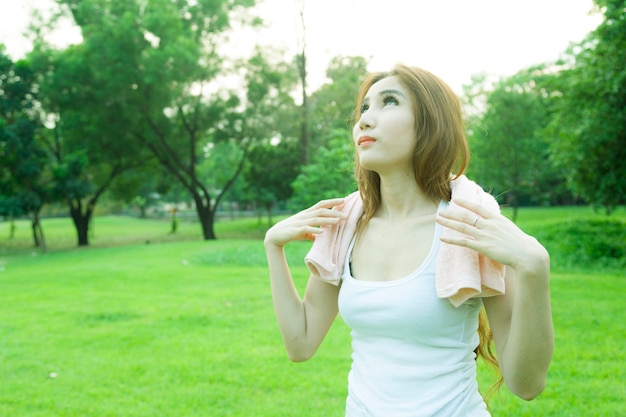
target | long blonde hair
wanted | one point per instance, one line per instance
(440, 154)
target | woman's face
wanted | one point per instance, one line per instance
(385, 133)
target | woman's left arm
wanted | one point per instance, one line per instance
(521, 319)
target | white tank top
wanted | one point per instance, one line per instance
(413, 353)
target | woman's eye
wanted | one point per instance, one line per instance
(364, 107)
(390, 100)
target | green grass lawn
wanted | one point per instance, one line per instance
(186, 328)
(121, 230)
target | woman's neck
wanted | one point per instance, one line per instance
(402, 198)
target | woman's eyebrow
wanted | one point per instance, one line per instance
(391, 91)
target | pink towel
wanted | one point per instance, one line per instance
(462, 273)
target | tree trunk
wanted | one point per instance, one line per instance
(269, 214)
(81, 222)
(206, 215)
(38, 237)
(12, 227)
(304, 124)
(207, 219)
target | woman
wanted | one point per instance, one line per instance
(396, 258)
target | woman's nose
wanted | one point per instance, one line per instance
(366, 121)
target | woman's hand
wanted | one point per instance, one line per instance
(492, 235)
(305, 225)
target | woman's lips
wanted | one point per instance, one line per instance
(365, 140)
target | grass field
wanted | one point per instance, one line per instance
(184, 327)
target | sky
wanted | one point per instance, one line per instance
(452, 38)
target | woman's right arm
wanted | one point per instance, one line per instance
(303, 322)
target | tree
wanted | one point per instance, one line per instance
(275, 156)
(509, 150)
(220, 163)
(141, 187)
(265, 114)
(25, 183)
(301, 63)
(331, 171)
(590, 126)
(87, 142)
(140, 82)
(330, 175)
(332, 105)
(271, 169)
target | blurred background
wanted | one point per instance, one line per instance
(147, 145)
(206, 108)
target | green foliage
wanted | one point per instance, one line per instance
(273, 122)
(330, 175)
(591, 123)
(134, 91)
(219, 163)
(84, 95)
(72, 177)
(586, 244)
(25, 180)
(270, 172)
(559, 124)
(22, 183)
(141, 186)
(510, 152)
(332, 105)
(270, 113)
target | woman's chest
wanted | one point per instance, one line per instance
(386, 252)
(404, 309)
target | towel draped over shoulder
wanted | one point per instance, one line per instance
(462, 273)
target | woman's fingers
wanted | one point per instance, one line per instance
(326, 204)
(322, 213)
(467, 216)
(306, 224)
(489, 233)
(474, 208)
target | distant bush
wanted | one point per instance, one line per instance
(588, 244)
